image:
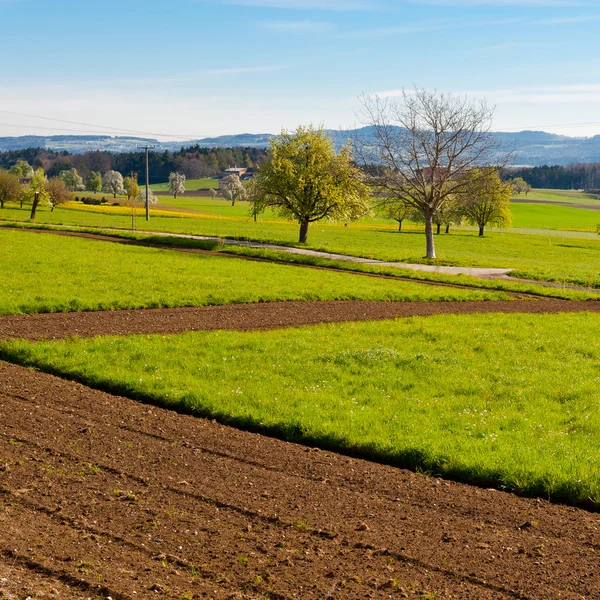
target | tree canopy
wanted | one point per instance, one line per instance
(305, 180)
(486, 200)
(232, 188)
(10, 188)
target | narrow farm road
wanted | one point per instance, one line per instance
(473, 271)
(101, 496)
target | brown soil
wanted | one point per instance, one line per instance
(101, 497)
(246, 317)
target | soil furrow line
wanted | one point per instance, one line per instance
(362, 492)
(287, 524)
(62, 576)
(173, 559)
(505, 542)
(290, 472)
(260, 316)
(79, 528)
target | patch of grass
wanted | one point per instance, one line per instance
(548, 195)
(546, 216)
(505, 400)
(47, 273)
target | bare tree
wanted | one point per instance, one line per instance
(419, 148)
(58, 192)
(10, 189)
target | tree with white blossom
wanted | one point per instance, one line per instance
(177, 184)
(112, 182)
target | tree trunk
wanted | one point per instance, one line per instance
(400, 225)
(52, 208)
(447, 227)
(481, 230)
(175, 196)
(439, 228)
(303, 231)
(36, 201)
(429, 237)
(1, 203)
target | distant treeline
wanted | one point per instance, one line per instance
(195, 162)
(574, 177)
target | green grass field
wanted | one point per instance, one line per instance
(568, 196)
(500, 400)
(574, 260)
(47, 273)
(546, 216)
(190, 184)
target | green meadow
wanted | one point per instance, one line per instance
(48, 273)
(504, 400)
(564, 259)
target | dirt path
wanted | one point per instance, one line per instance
(103, 497)
(245, 317)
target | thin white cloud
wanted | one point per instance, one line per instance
(586, 93)
(335, 5)
(426, 26)
(531, 3)
(298, 26)
(568, 20)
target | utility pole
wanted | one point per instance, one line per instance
(146, 148)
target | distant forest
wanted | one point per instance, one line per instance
(195, 162)
(573, 177)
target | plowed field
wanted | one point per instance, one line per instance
(101, 497)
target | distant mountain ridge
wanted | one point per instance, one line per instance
(531, 148)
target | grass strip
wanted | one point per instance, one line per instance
(498, 400)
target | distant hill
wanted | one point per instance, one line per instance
(532, 148)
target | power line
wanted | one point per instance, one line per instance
(105, 127)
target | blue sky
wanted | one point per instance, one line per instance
(196, 68)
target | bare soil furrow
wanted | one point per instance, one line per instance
(202, 437)
(294, 554)
(311, 525)
(262, 316)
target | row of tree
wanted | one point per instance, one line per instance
(194, 162)
(429, 155)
